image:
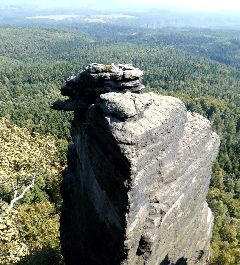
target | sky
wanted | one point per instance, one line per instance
(192, 5)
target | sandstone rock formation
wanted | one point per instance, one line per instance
(97, 79)
(138, 174)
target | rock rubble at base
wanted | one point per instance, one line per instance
(139, 168)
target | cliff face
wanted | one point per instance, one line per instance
(138, 174)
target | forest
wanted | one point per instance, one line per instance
(199, 66)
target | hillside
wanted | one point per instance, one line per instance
(199, 66)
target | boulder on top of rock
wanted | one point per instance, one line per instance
(99, 79)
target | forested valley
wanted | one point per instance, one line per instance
(202, 67)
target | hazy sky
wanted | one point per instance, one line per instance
(198, 5)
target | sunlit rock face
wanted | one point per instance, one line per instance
(138, 174)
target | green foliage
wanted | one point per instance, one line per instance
(37, 61)
(12, 247)
(62, 146)
(39, 225)
(24, 157)
(29, 229)
(199, 66)
(32, 227)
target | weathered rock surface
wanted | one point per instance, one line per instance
(135, 188)
(98, 79)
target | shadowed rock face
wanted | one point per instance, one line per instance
(138, 174)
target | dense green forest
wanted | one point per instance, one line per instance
(199, 66)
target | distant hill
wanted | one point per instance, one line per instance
(199, 65)
(159, 18)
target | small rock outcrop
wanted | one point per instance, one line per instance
(138, 174)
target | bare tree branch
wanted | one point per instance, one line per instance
(19, 197)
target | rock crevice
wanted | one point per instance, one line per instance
(138, 174)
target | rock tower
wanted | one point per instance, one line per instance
(138, 174)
